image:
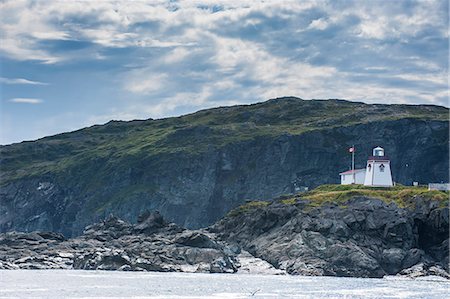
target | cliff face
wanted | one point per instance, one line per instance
(342, 231)
(195, 168)
(362, 237)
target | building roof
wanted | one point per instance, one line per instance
(352, 171)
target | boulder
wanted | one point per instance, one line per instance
(196, 239)
(149, 222)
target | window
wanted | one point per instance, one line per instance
(382, 168)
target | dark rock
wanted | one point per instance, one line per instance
(422, 269)
(110, 228)
(150, 222)
(413, 256)
(365, 237)
(113, 262)
(113, 244)
(223, 265)
(203, 165)
(196, 239)
(392, 259)
(52, 236)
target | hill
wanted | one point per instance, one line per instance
(195, 168)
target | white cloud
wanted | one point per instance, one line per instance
(21, 23)
(182, 99)
(177, 54)
(319, 24)
(164, 107)
(26, 100)
(23, 49)
(276, 76)
(174, 57)
(145, 83)
(431, 78)
(20, 81)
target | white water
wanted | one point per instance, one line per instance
(102, 284)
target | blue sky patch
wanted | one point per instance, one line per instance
(71, 64)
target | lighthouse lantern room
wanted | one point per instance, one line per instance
(378, 170)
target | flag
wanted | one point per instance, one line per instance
(352, 149)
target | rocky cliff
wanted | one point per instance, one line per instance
(332, 230)
(346, 232)
(196, 168)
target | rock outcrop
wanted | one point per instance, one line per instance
(196, 168)
(364, 237)
(113, 244)
(360, 237)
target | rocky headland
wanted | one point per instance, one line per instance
(113, 244)
(152, 244)
(333, 230)
(341, 231)
(196, 168)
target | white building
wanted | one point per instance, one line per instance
(356, 176)
(376, 174)
(378, 170)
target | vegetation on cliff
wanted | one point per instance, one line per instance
(346, 231)
(122, 142)
(195, 168)
(401, 196)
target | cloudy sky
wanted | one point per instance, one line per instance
(71, 64)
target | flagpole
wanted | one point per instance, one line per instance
(353, 163)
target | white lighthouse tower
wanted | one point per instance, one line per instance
(378, 170)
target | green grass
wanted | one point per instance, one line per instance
(255, 204)
(289, 201)
(402, 196)
(131, 192)
(119, 142)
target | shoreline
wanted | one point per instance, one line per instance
(365, 238)
(120, 284)
(427, 278)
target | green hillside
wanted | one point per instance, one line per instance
(196, 168)
(194, 133)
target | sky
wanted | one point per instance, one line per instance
(65, 65)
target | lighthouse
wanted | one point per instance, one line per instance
(378, 170)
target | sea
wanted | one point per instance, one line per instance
(117, 284)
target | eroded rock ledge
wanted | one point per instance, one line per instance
(150, 245)
(364, 237)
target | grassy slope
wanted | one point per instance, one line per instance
(402, 196)
(119, 142)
